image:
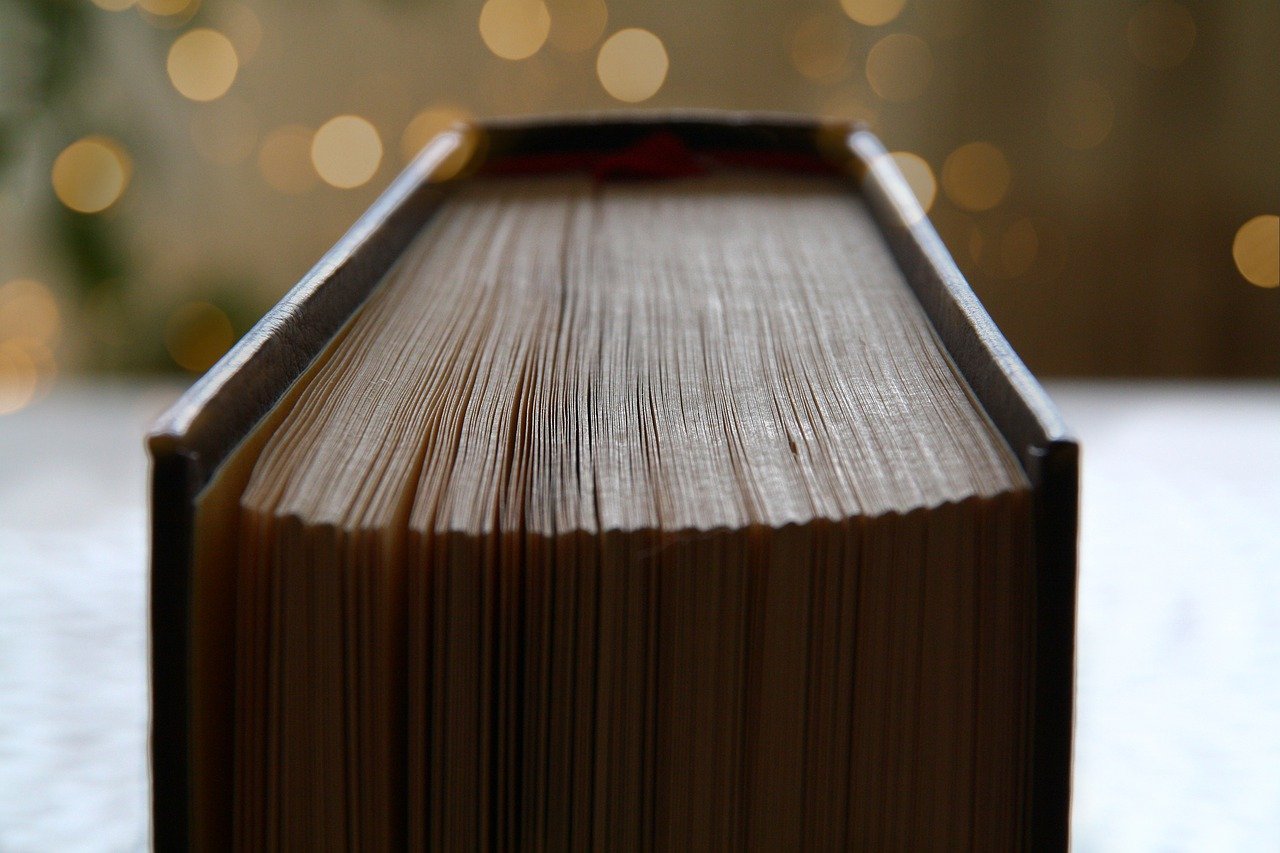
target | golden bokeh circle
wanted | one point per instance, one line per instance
(90, 174)
(28, 309)
(346, 151)
(19, 378)
(1161, 34)
(873, 13)
(1256, 250)
(820, 47)
(202, 64)
(847, 106)
(27, 369)
(428, 124)
(225, 133)
(1019, 248)
(576, 25)
(899, 67)
(632, 65)
(1082, 114)
(514, 29)
(164, 8)
(197, 334)
(976, 176)
(242, 26)
(284, 159)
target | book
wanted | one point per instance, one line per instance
(648, 481)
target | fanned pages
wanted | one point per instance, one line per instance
(633, 515)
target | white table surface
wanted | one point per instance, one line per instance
(1178, 727)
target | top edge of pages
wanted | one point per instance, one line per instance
(589, 143)
(650, 328)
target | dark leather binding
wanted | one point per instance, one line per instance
(192, 439)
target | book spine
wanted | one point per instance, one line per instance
(1054, 472)
(173, 486)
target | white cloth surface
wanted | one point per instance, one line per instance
(1178, 725)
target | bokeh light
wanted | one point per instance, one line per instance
(285, 159)
(30, 322)
(226, 132)
(197, 334)
(165, 8)
(576, 25)
(820, 47)
(899, 67)
(27, 369)
(1161, 34)
(90, 174)
(18, 378)
(919, 175)
(872, 13)
(632, 65)
(1082, 114)
(976, 176)
(426, 125)
(471, 142)
(202, 64)
(514, 29)
(1019, 246)
(346, 151)
(848, 105)
(218, 195)
(1256, 250)
(242, 25)
(28, 309)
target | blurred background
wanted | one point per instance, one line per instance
(1105, 172)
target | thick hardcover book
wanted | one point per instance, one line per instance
(642, 481)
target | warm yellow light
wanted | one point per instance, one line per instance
(514, 29)
(346, 151)
(28, 310)
(18, 378)
(847, 106)
(632, 65)
(1161, 33)
(114, 5)
(1082, 114)
(471, 142)
(1018, 248)
(27, 367)
(919, 177)
(203, 64)
(976, 176)
(242, 26)
(164, 8)
(820, 47)
(226, 132)
(197, 334)
(1256, 250)
(873, 13)
(899, 67)
(90, 174)
(285, 159)
(576, 25)
(426, 125)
